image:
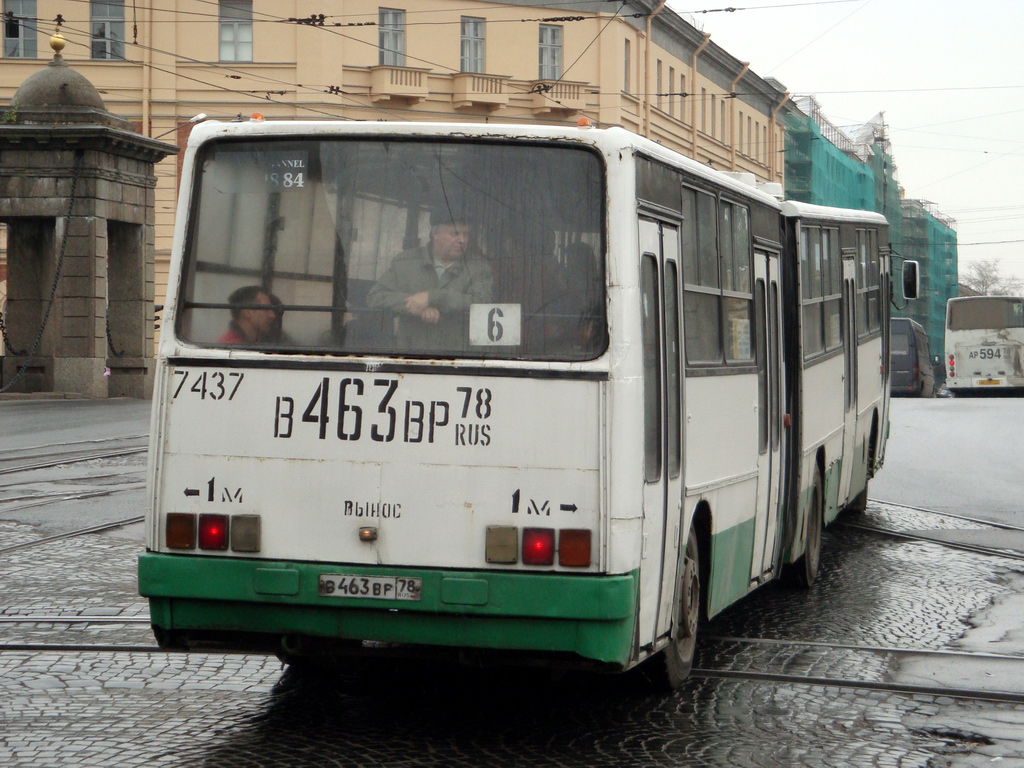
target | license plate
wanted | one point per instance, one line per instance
(989, 382)
(372, 587)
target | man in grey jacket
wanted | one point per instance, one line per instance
(430, 288)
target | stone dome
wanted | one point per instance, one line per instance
(56, 86)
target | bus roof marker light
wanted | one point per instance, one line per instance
(256, 117)
(213, 532)
(538, 546)
(583, 122)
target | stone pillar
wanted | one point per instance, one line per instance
(77, 195)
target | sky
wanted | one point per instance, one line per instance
(948, 77)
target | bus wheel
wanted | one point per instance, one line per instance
(677, 658)
(807, 567)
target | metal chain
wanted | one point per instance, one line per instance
(56, 278)
(7, 339)
(110, 341)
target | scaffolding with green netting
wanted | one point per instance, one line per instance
(929, 238)
(854, 168)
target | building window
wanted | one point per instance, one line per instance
(235, 30)
(107, 22)
(684, 113)
(703, 110)
(472, 56)
(657, 86)
(724, 123)
(712, 115)
(671, 92)
(550, 52)
(392, 37)
(626, 64)
(19, 29)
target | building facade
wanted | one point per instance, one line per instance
(854, 168)
(638, 65)
(930, 239)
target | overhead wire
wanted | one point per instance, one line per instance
(328, 89)
(398, 113)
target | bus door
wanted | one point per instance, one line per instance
(885, 296)
(660, 287)
(849, 330)
(770, 408)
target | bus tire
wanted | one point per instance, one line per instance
(677, 659)
(807, 566)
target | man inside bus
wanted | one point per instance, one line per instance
(252, 316)
(430, 288)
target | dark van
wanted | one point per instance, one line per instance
(911, 361)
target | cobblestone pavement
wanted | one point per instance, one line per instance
(152, 709)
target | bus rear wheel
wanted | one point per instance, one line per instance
(677, 658)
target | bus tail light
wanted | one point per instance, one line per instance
(502, 544)
(180, 530)
(213, 532)
(574, 547)
(245, 533)
(538, 546)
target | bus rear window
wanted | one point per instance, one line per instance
(986, 313)
(397, 247)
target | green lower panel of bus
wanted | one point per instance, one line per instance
(592, 616)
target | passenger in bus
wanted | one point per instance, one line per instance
(252, 316)
(277, 334)
(430, 288)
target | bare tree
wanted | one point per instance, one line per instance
(985, 278)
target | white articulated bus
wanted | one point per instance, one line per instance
(840, 359)
(512, 393)
(985, 345)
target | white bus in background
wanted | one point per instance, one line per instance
(985, 345)
(595, 453)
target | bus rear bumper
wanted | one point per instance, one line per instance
(231, 604)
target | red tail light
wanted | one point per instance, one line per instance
(213, 532)
(574, 547)
(538, 546)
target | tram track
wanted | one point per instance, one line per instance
(919, 537)
(72, 534)
(72, 480)
(74, 620)
(58, 454)
(969, 694)
(952, 515)
(876, 649)
(41, 500)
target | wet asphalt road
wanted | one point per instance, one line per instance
(109, 708)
